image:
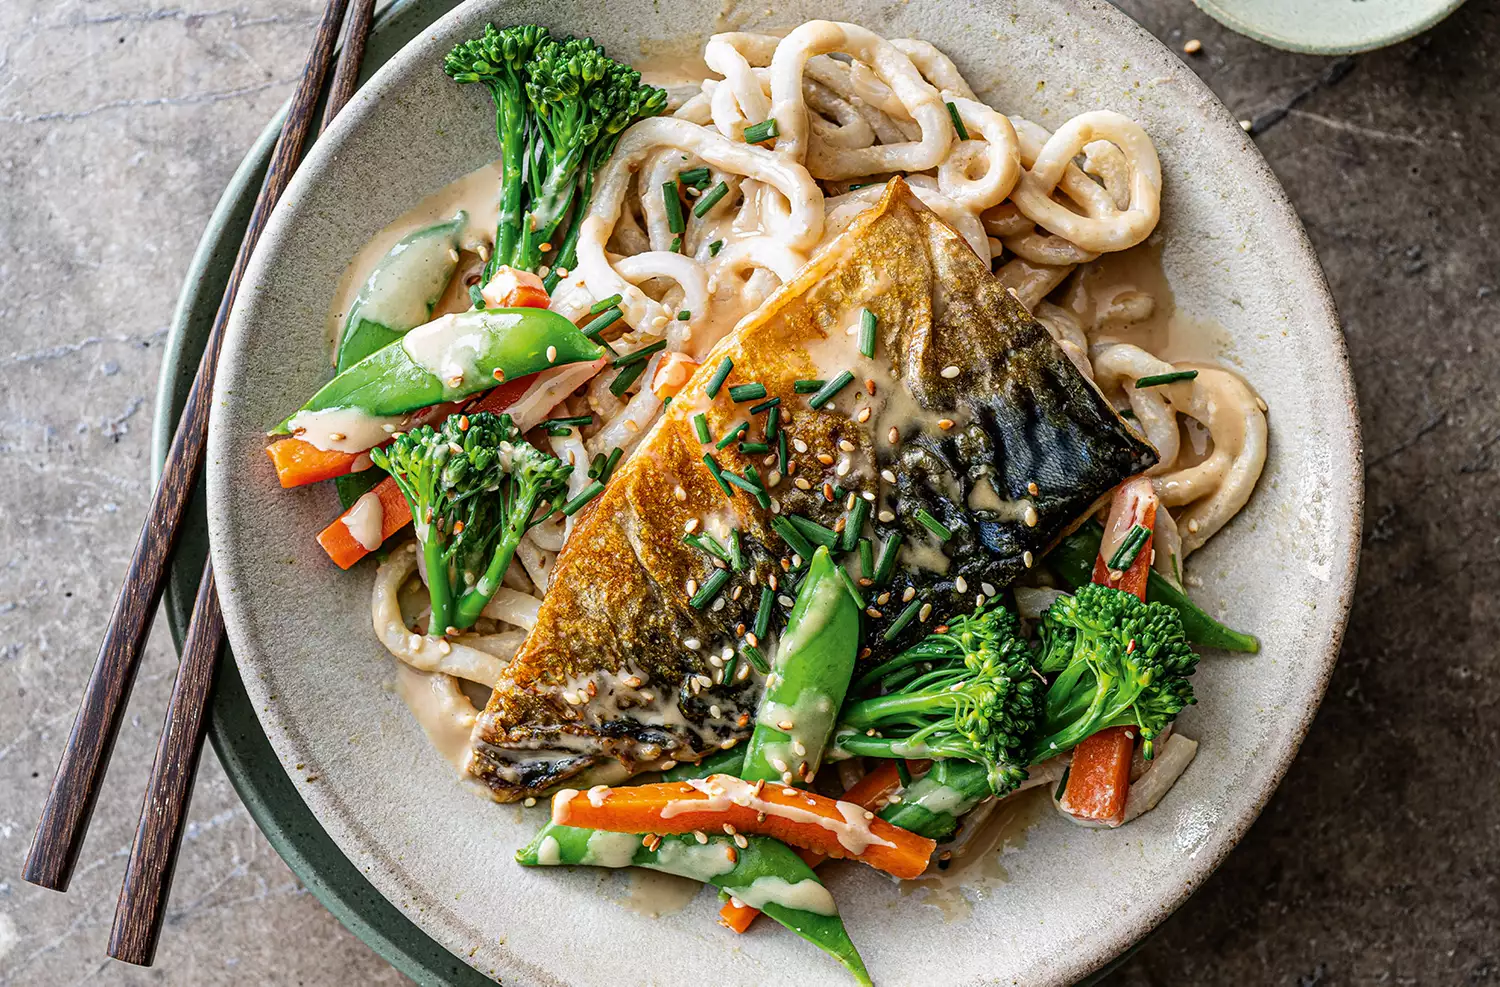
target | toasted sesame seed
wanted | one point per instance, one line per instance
(691, 643)
(1033, 489)
(339, 436)
(874, 613)
(825, 459)
(945, 423)
(784, 726)
(740, 675)
(1193, 46)
(1027, 558)
(842, 469)
(799, 748)
(949, 372)
(634, 681)
(846, 445)
(778, 764)
(740, 841)
(785, 600)
(893, 435)
(799, 445)
(961, 584)
(691, 587)
(870, 385)
(498, 374)
(802, 484)
(1030, 516)
(883, 599)
(828, 491)
(863, 416)
(888, 476)
(987, 589)
(444, 647)
(1245, 125)
(700, 836)
(925, 612)
(886, 517)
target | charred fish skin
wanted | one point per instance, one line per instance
(965, 431)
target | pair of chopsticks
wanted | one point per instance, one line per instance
(75, 788)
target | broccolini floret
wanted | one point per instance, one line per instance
(474, 486)
(560, 107)
(968, 692)
(1118, 661)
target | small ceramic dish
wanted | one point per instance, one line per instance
(1235, 256)
(1329, 27)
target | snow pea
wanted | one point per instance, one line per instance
(808, 679)
(760, 868)
(721, 763)
(451, 358)
(933, 804)
(1073, 560)
(398, 296)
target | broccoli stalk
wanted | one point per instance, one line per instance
(967, 692)
(473, 486)
(560, 107)
(1118, 661)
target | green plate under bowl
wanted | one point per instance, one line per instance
(1328, 27)
(234, 731)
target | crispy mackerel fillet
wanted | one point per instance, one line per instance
(967, 412)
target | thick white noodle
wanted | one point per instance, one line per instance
(511, 607)
(428, 654)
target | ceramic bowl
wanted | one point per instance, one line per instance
(1329, 27)
(1235, 256)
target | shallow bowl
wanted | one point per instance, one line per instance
(1235, 255)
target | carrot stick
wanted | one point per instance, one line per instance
(510, 288)
(338, 539)
(866, 793)
(801, 819)
(1099, 776)
(299, 462)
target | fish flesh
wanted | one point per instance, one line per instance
(968, 433)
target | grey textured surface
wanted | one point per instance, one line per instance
(1377, 860)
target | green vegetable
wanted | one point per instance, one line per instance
(473, 486)
(513, 341)
(1117, 662)
(1073, 560)
(560, 107)
(808, 679)
(718, 861)
(968, 693)
(398, 295)
(933, 805)
(718, 763)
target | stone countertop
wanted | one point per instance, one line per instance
(1377, 860)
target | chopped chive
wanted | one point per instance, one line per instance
(627, 376)
(1130, 547)
(585, 495)
(596, 465)
(781, 453)
(762, 131)
(476, 297)
(744, 484)
(792, 536)
(1170, 378)
(605, 304)
(933, 525)
(720, 375)
(773, 421)
(684, 315)
(733, 436)
(710, 199)
(855, 522)
(754, 448)
(765, 406)
(808, 386)
(736, 550)
(636, 356)
(763, 612)
(851, 586)
(676, 245)
(700, 425)
(813, 531)
(715, 247)
(609, 464)
(718, 474)
(867, 333)
(557, 429)
(963, 134)
(753, 391)
(905, 617)
(694, 177)
(670, 199)
(756, 659)
(827, 392)
(867, 558)
(761, 496)
(729, 666)
(710, 589)
(707, 543)
(606, 319)
(574, 421)
(887, 563)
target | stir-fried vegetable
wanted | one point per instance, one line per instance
(808, 678)
(449, 359)
(560, 107)
(474, 486)
(967, 692)
(805, 819)
(933, 805)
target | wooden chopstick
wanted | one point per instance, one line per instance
(75, 787)
(153, 856)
